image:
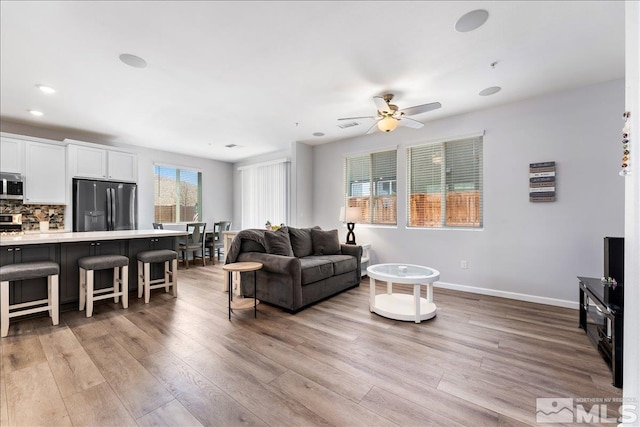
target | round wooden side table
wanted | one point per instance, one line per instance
(243, 303)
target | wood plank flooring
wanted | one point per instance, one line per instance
(482, 361)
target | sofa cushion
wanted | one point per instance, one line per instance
(342, 263)
(278, 242)
(314, 269)
(301, 242)
(325, 242)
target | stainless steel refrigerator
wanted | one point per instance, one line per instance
(104, 205)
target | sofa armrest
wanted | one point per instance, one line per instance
(274, 263)
(353, 250)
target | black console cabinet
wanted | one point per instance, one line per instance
(602, 320)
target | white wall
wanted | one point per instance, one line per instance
(534, 250)
(237, 182)
(217, 185)
(217, 177)
(631, 351)
(301, 201)
(301, 185)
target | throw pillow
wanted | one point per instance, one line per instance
(325, 242)
(301, 242)
(278, 242)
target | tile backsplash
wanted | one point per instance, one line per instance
(30, 214)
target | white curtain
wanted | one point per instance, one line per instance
(265, 194)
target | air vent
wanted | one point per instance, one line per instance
(348, 125)
(231, 145)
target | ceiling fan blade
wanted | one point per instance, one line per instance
(381, 104)
(373, 128)
(409, 123)
(418, 109)
(357, 118)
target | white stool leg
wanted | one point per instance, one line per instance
(174, 277)
(53, 299)
(147, 279)
(116, 283)
(125, 286)
(89, 274)
(166, 276)
(140, 275)
(4, 308)
(83, 288)
(49, 305)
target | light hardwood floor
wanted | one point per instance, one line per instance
(180, 362)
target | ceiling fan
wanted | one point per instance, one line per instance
(389, 117)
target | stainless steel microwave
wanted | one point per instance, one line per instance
(12, 186)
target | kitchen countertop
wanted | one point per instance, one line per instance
(85, 236)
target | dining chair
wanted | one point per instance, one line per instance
(216, 241)
(157, 226)
(194, 243)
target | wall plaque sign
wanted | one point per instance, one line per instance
(542, 182)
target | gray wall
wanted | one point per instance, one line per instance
(530, 251)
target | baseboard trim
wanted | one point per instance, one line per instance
(510, 295)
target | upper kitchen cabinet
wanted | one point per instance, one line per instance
(11, 155)
(87, 161)
(122, 166)
(45, 173)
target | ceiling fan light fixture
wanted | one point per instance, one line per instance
(387, 124)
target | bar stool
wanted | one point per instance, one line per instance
(120, 288)
(170, 279)
(28, 270)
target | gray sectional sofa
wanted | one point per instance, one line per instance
(301, 266)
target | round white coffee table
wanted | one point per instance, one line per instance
(403, 306)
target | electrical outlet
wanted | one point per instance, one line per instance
(463, 264)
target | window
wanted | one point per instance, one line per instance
(445, 184)
(265, 194)
(178, 194)
(370, 184)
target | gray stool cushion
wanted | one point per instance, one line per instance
(28, 270)
(102, 262)
(160, 255)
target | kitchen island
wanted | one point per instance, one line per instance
(66, 248)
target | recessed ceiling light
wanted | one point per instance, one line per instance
(36, 113)
(472, 20)
(133, 61)
(231, 145)
(490, 91)
(318, 134)
(46, 89)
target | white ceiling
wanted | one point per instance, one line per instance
(265, 74)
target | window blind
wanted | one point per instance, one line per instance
(265, 194)
(445, 184)
(370, 184)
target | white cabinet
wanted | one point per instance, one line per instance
(88, 162)
(99, 163)
(45, 173)
(11, 155)
(366, 258)
(122, 166)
